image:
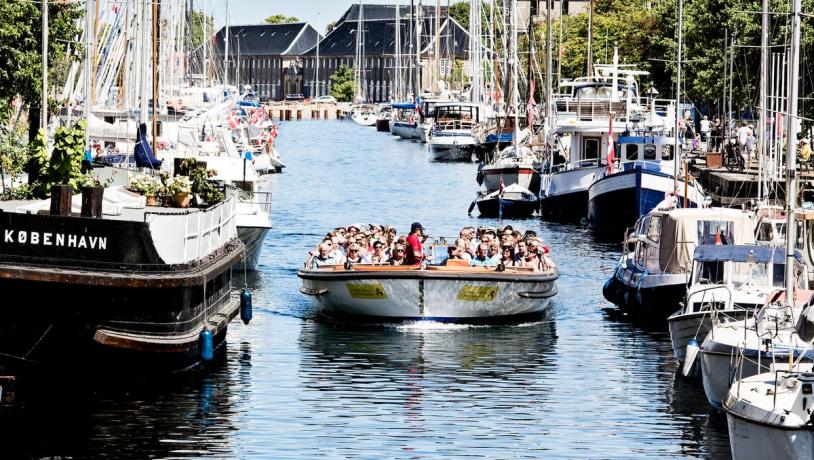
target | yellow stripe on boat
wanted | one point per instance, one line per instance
(366, 291)
(477, 293)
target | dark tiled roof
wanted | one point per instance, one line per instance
(380, 12)
(379, 38)
(268, 39)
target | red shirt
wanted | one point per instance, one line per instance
(415, 247)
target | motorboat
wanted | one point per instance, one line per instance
(623, 192)
(651, 277)
(770, 336)
(383, 118)
(449, 291)
(453, 136)
(769, 415)
(512, 201)
(728, 283)
(405, 121)
(364, 114)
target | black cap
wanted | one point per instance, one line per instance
(416, 225)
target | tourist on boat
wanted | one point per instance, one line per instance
(354, 254)
(494, 250)
(482, 258)
(533, 259)
(507, 256)
(379, 255)
(454, 253)
(322, 256)
(521, 251)
(398, 257)
(415, 244)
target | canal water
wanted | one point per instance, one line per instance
(583, 383)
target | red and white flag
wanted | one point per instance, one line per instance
(611, 150)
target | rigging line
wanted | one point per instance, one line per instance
(47, 330)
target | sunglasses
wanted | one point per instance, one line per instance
(399, 250)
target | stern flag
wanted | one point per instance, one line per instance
(611, 151)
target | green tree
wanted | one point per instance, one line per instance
(281, 19)
(329, 27)
(196, 33)
(459, 11)
(21, 49)
(342, 84)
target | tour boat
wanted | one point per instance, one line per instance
(111, 284)
(443, 292)
(651, 277)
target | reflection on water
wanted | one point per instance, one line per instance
(580, 384)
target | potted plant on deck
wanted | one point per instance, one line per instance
(147, 185)
(180, 188)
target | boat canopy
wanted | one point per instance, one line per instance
(681, 230)
(645, 140)
(405, 106)
(742, 253)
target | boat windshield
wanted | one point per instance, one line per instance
(754, 274)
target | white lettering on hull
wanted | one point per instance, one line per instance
(54, 239)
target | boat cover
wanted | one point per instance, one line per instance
(684, 229)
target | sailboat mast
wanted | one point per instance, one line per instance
(398, 96)
(549, 113)
(791, 149)
(437, 83)
(764, 72)
(418, 26)
(88, 66)
(676, 144)
(205, 47)
(226, 50)
(155, 75)
(515, 87)
(316, 92)
(44, 89)
(590, 56)
(143, 63)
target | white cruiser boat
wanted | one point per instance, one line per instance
(364, 115)
(512, 166)
(453, 136)
(405, 121)
(728, 283)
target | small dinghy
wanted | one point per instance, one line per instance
(514, 200)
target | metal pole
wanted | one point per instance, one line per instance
(549, 83)
(725, 114)
(791, 152)
(590, 38)
(205, 47)
(226, 50)
(155, 76)
(88, 65)
(764, 72)
(316, 92)
(676, 144)
(438, 45)
(44, 89)
(515, 77)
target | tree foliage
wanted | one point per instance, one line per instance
(342, 84)
(281, 19)
(21, 46)
(196, 33)
(459, 11)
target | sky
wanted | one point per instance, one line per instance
(318, 12)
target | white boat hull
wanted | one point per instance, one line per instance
(252, 238)
(364, 119)
(420, 295)
(452, 147)
(750, 440)
(404, 130)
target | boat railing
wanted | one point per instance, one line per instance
(260, 199)
(446, 125)
(201, 230)
(591, 109)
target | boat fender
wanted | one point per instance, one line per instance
(609, 289)
(245, 306)
(689, 357)
(205, 344)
